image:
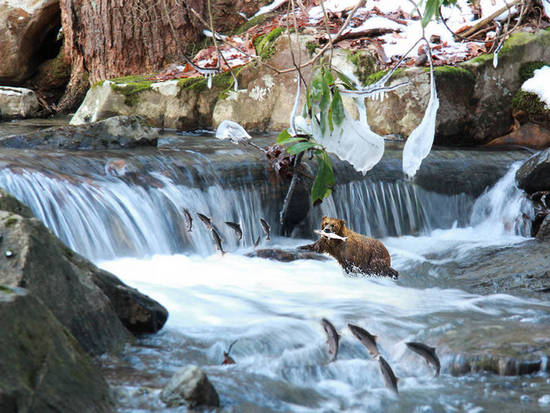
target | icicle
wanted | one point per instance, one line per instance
(209, 82)
(232, 131)
(495, 54)
(292, 121)
(420, 141)
(235, 84)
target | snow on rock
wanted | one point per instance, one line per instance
(539, 84)
(270, 7)
(420, 141)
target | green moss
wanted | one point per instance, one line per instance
(100, 83)
(220, 81)
(482, 59)
(527, 69)
(515, 41)
(311, 47)
(530, 103)
(375, 77)
(258, 20)
(365, 65)
(6, 290)
(131, 87)
(452, 72)
(264, 44)
(10, 221)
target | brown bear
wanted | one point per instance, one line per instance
(358, 253)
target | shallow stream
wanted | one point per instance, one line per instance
(127, 217)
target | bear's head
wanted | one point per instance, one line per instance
(333, 225)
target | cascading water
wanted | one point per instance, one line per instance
(129, 219)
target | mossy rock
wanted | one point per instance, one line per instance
(265, 44)
(131, 87)
(452, 73)
(365, 65)
(527, 70)
(375, 77)
(529, 102)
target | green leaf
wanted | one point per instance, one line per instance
(317, 89)
(294, 140)
(324, 181)
(432, 7)
(283, 137)
(300, 147)
(348, 83)
(337, 108)
(325, 95)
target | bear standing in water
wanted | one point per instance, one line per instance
(357, 253)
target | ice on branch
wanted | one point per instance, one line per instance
(232, 131)
(420, 141)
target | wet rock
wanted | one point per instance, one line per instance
(47, 269)
(27, 29)
(113, 133)
(17, 102)
(190, 386)
(543, 233)
(534, 174)
(43, 367)
(511, 351)
(9, 203)
(530, 135)
(277, 254)
(139, 313)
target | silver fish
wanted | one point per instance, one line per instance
(257, 242)
(367, 339)
(428, 353)
(330, 235)
(332, 338)
(218, 241)
(237, 228)
(387, 373)
(266, 227)
(205, 220)
(188, 220)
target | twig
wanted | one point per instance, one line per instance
(490, 18)
(325, 19)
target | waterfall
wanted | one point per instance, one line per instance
(104, 209)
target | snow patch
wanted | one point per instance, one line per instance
(539, 84)
(232, 131)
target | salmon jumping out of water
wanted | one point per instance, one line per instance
(332, 338)
(367, 339)
(428, 353)
(237, 228)
(205, 220)
(188, 220)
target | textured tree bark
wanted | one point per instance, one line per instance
(121, 37)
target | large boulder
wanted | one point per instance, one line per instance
(28, 27)
(94, 305)
(534, 174)
(17, 102)
(113, 133)
(43, 367)
(190, 387)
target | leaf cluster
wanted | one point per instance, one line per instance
(432, 9)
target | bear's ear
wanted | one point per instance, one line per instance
(324, 217)
(342, 223)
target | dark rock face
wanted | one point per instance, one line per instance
(543, 233)
(139, 313)
(93, 304)
(534, 174)
(190, 386)
(113, 133)
(43, 367)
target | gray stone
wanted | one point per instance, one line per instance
(534, 174)
(190, 386)
(112, 133)
(17, 102)
(43, 367)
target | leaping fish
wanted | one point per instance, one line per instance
(367, 339)
(218, 241)
(387, 373)
(331, 235)
(188, 220)
(257, 242)
(332, 338)
(237, 228)
(227, 359)
(266, 227)
(428, 353)
(205, 220)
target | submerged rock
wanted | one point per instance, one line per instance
(113, 133)
(534, 174)
(43, 367)
(277, 254)
(190, 386)
(529, 135)
(17, 102)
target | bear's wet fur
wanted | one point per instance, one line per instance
(357, 254)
